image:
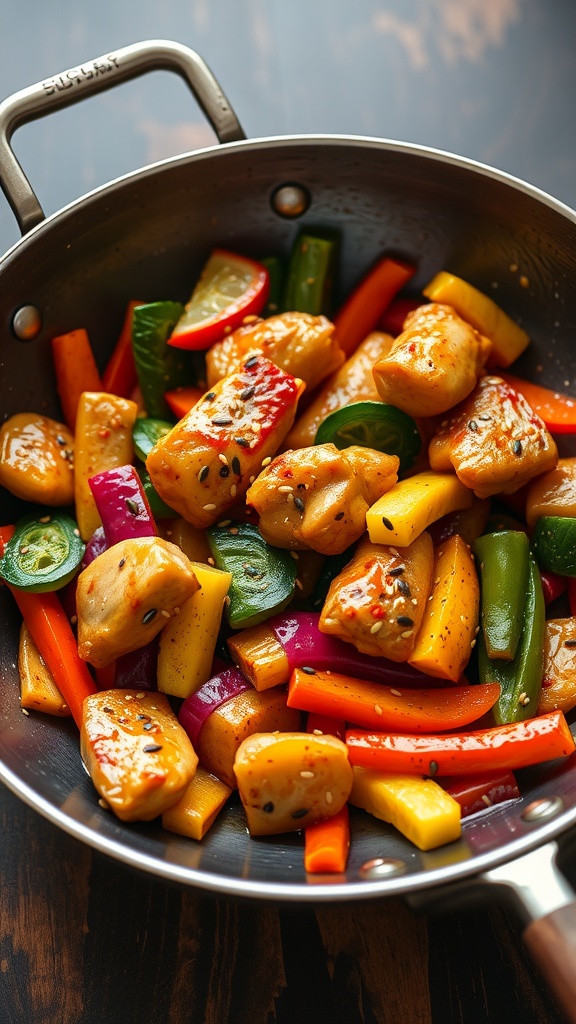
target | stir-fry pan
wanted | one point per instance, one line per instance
(146, 236)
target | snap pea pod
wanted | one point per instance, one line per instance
(158, 366)
(521, 679)
(146, 432)
(309, 279)
(263, 577)
(276, 272)
(503, 561)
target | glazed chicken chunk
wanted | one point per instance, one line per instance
(377, 602)
(127, 594)
(494, 441)
(299, 343)
(433, 364)
(318, 497)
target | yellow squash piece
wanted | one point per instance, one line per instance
(419, 808)
(508, 339)
(188, 641)
(38, 691)
(198, 807)
(448, 629)
(289, 780)
(260, 656)
(137, 753)
(103, 441)
(411, 505)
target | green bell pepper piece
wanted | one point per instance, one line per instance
(146, 432)
(310, 271)
(373, 425)
(521, 679)
(554, 544)
(159, 366)
(503, 559)
(277, 273)
(263, 577)
(158, 507)
(43, 554)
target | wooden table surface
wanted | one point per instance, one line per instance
(83, 938)
(86, 940)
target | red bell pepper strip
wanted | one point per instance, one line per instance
(557, 410)
(120, 377)
(505, 746)
(553, 586)
(51, 632)
(383, 707)
(571, 584)
(181, 400)
(363, 309)
(478, 792)
(326, 725)
(392, 322)
(75, 369)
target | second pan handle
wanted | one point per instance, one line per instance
(96, 76)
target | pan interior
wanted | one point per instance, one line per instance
(146, 236)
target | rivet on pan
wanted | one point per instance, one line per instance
(290, 200)
(382, 867)
(541, 810)
(26, 323)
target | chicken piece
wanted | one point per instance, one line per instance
(299, 343)
(377, 602)
(494, 441)
(138, 755)
(554, 493)
(353, 382)
(318, 497)
(433, 364)
(127, 594)
(203, 466)
(37, 459)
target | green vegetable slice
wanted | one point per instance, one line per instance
(146, 432)
(554, 544)
(158, 507)
(310, 271)
(521, 679)
(159, 367)
(373, 425)
(503, 560)
(43, 554)
(263, 577)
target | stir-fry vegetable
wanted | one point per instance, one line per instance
(253, 600)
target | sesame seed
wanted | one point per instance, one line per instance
(308, 670)
(209, 508)
(44, 519)
(285, 489)
(339, 516)
(246, 394)
(396, 693)
(151, 748)
(406, 634)
(149, 615)
(210, 396)
(250, 362)
(223, 459)
(221, 421)
(472, 425)
(299, 504)
(306, 775)
(404, 620)
(377, 709)
(376, 627)
(203, 474)
(233, 491)
(517, 447)
(387, 523)
(224, 471)
(294, 555)
(266, 461)
(328, 797)
(236, 465)
(486, 800)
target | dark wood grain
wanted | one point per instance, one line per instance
(85, 940)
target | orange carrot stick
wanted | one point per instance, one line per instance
(376, 706)
(327, 842)
(181, 400)
(364, 307)
(53, 636)
(76, 371)
(119, 377)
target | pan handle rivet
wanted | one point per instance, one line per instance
(26, 323)
(290, 200)
(382, 867)
(541, 810)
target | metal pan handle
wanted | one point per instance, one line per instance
(547, 904)
(95, 76)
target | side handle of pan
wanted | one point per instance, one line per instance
(546, 903)
(95, 76)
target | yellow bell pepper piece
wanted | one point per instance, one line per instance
(198, 807)
(38, 691)
(188, 641)
(408, 508)
(419, 808)
(103, 440)
(448, 629)
(508, 339)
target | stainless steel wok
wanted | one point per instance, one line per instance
(146, 235)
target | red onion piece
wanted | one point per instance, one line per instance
(199, 705)
(137, 670)
(122, 505)
(95, 546)
(304, 644)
